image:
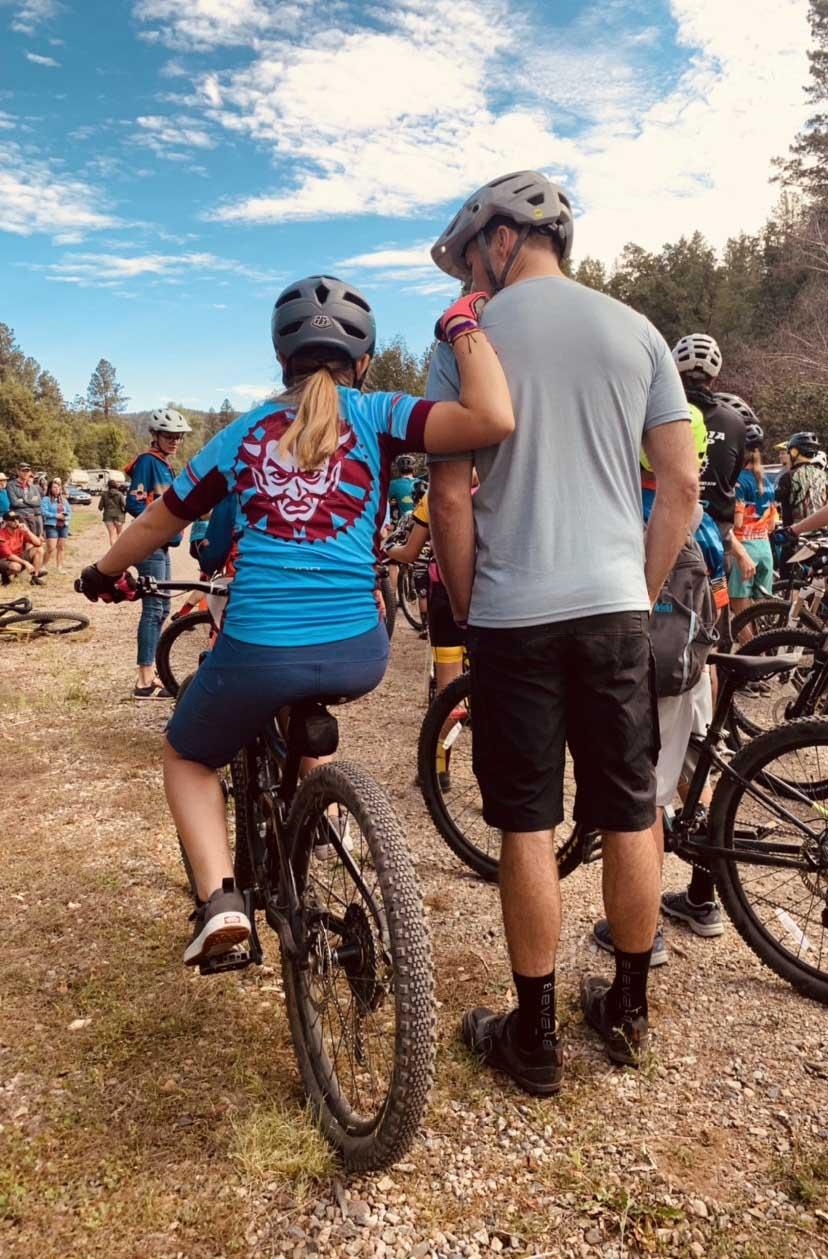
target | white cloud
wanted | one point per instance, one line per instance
(105, 270)
(201, 25)
(252, 393)
(645, 157)
(30, 14)
(413, 256)
(164, 135)
(37, 60)
(36, 198)
(7, 121)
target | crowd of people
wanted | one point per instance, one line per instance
(547, 583)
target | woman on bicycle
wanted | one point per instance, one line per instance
(309, 471)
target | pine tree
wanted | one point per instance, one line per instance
(807, 166)
(104, 394)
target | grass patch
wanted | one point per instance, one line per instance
(804, 1177)
(274, 1143)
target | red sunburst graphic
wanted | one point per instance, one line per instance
(297, 505)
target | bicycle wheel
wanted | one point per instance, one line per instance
(766, 705)
(390, 602)
(780, 911)
(764, 615)
(45, 623)
(181, 648)
(455, 805)
(408, 598)
(361, 1003)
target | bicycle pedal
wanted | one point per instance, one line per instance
(235, 959)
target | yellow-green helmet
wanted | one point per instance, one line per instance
(699, 431)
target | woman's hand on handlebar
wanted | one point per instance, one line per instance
(95, 585)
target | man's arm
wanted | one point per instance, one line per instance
(452, 531)
(672, 454)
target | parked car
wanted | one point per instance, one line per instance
(78, 497)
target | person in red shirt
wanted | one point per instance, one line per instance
(21, 551)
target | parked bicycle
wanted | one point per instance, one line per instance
(325, 861)
(19, 620)
(765, 838)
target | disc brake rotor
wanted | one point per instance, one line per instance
(361, 961)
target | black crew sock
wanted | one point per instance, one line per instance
(627, 998)
(536, 1010)
(702, 889)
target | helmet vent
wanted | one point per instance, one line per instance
(358, 301)
(351, 330)
(290, 296)
(322, 293)
(536, 200)
(290, 328)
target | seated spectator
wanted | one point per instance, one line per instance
(57, 514)
(21, 551)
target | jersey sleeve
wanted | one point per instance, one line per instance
(400, 417)
(444, 386)
(666, 401)
(420, 514)
(208, 477)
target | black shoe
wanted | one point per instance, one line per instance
(625, 1042)
(220, 923)
(151, 692)
(37, 581)
(491, 1036)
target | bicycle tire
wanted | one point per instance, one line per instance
(47, 622)
(387, 592)
(190, 623)
(366, 1143)
(760, 617)
(750, 764)
(774, 642)
(569, 852)
(409, 600)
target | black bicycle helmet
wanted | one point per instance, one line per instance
(321, 312)
(806, 444)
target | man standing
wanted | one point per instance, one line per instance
(25, 499)
(548, 565)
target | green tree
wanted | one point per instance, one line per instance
(592, 273)
(396, 367)
(104, 394)
(102, 444)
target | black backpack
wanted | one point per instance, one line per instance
(683, 623)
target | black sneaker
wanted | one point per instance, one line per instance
(491, 1036)
(220, 923)
(602, 936)
(151, 692)
(37, 581)
(625, 1042)
(705, 920)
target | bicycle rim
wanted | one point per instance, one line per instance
(408, 600)
(361, 1003)
(780, 911)
(181, 648)
(755, 712)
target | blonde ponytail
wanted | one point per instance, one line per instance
(313, 435)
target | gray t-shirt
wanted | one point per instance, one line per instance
(558, 513)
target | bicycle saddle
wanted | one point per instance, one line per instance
(753, 668)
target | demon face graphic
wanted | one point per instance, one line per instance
(295, 504)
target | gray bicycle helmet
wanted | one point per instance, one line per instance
(526, 197)
(698, 352)
(806, 444)
(406, 465)
(754, 436)
(321, 312)
(738, 405)
(166, 420)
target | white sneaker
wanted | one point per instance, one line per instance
(327, 852)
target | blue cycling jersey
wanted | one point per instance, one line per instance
(305, 568)
(707, 535)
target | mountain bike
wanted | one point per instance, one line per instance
(408, 598)
(18, 620)
(765, 838)
(325, 862)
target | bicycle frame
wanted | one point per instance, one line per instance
(688, 826)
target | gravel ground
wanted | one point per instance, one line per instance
(132, 1095)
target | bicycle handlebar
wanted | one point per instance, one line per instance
(151, 586)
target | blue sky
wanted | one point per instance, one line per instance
(167, 165)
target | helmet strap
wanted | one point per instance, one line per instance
(483, 245)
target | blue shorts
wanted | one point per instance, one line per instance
(57, 531)
(760, 585)
(240, 687)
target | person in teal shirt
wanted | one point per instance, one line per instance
(5, 501)
(401, 489)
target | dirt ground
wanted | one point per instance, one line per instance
(146, 1111)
